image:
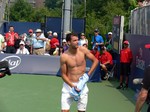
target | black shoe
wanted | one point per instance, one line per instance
(126, 86)
(120, 87)
(7, 71)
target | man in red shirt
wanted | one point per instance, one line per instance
(106, 61)
(125, 62)
(95, 52)
(54, 43)
(11, 37)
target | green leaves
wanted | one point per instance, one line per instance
(99, 13)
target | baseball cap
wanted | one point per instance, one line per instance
(82, 34)
(30, 30)
(38, 31)
(64, 40)
(49, 32)
(109, 33)
(21, 43)
(126, 42)
(96, 30)
(54, 34)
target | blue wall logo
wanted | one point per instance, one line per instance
(13, 61)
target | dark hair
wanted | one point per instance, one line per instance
(59, 50)
(11, 26)
(69, 35)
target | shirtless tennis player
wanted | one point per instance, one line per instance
(73, 65)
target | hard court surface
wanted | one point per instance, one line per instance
(41, 93)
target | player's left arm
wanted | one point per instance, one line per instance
(92, 58)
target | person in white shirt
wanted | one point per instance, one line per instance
(22, 49)
(83, 40)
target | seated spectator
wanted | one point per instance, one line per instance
(22, 49)
(58, 51)
(95, 52)
(64, 44)
(54, 43)
(106, 61)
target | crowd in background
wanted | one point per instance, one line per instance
(36, 43)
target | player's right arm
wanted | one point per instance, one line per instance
(63, 67)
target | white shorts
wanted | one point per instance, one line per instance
(67, 99)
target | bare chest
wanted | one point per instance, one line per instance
(76, 61)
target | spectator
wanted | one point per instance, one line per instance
(11, 37)
(58, 51)
(54, 43)
(95, 52)
(38, 43)
(20, 38)
(108, 43)
(29, 40)
(83, 40)
(106, 61)
(22, 49)
(64, 44)
(142, 3)
(2, 43)
(49, 34)
(47, 47)
(125, 61)
(97, 40)
(146, 2)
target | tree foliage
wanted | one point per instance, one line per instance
(21, 11)
(99, 13)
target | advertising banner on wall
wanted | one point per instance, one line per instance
(42, 65)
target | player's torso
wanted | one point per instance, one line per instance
(76, 65)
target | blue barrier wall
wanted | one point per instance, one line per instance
(141, 56)
(47, 65)
(21, 27)
(54, 24)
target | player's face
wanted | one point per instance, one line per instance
(74, 42)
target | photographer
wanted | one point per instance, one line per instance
(144, 93)
(4, 69)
